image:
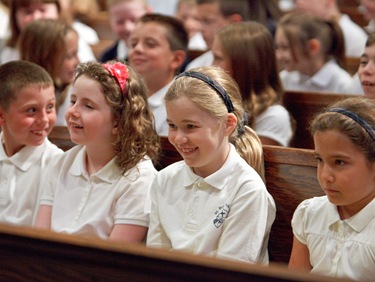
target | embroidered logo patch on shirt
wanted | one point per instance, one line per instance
(221, 215)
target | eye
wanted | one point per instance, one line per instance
(339, 162)
(31, 110)
(50, 107)
(318, 159)
(172, 126)
(89, 106)
(191, 126)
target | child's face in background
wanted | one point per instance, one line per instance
(220, 59)
(369, 9)
(212, 20)
(343, 171)
(200, 138)
(150, 53)
(29, 119)
(90, 119)
(188, 14)
(284, 55)
(71, 58)
(366, 71)
(35, 11)
(123, 17)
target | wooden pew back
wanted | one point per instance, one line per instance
(38, 255)
(303, 105)
(61, 138)
(290, 175)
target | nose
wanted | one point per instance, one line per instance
(43, 118)
(369, 68)
(181, 137)
(325, 173)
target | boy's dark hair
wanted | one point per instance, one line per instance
(231, 7)
(16, 75)
(177, 35)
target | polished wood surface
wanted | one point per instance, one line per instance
(303, 105)
(36, 255)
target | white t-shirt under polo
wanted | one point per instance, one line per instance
(21, 181)
(274, 123)
(339, 248)
(227, 214)
(92, 205)
(157, 105)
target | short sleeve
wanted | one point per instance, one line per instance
(299, 220)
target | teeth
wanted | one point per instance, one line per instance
(187, 150)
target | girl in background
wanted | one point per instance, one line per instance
(311, 52)
(366, 69)
(53, 45)
(246, 51)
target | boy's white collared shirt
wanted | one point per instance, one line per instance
(21, 181)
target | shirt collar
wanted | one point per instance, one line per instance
(109, 173)
(358, 221)
(219, 178)
(25, 157)
(156, 99)
(323, 77)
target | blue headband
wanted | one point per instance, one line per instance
(370, 130)
(214, 84)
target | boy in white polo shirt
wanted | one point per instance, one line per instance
(27, 115)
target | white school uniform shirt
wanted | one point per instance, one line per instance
(21, 181)
(60, 114)
(330, 78)
(355, 37)
(274, 123)
(339, 248)
(91, 205)
(227, 214)
(157, 105)
(206, 59)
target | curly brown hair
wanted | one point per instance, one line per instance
(136, 137)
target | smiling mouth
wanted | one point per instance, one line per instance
(38, 132)
(365, 83)
(187, 150)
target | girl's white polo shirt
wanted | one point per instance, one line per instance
(227, 214)
(92, 205)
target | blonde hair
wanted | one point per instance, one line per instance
(136, 137)
(246, 141)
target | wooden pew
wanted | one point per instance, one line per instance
(38, 255)
(290, 175)
(352, 64)
(61, 138)
(303, 105)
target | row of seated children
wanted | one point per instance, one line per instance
(101, 187)
(221, 156)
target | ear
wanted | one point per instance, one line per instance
(115, 127)
(179, 57)
(231, 124)
(314, 46)
(2, 116)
